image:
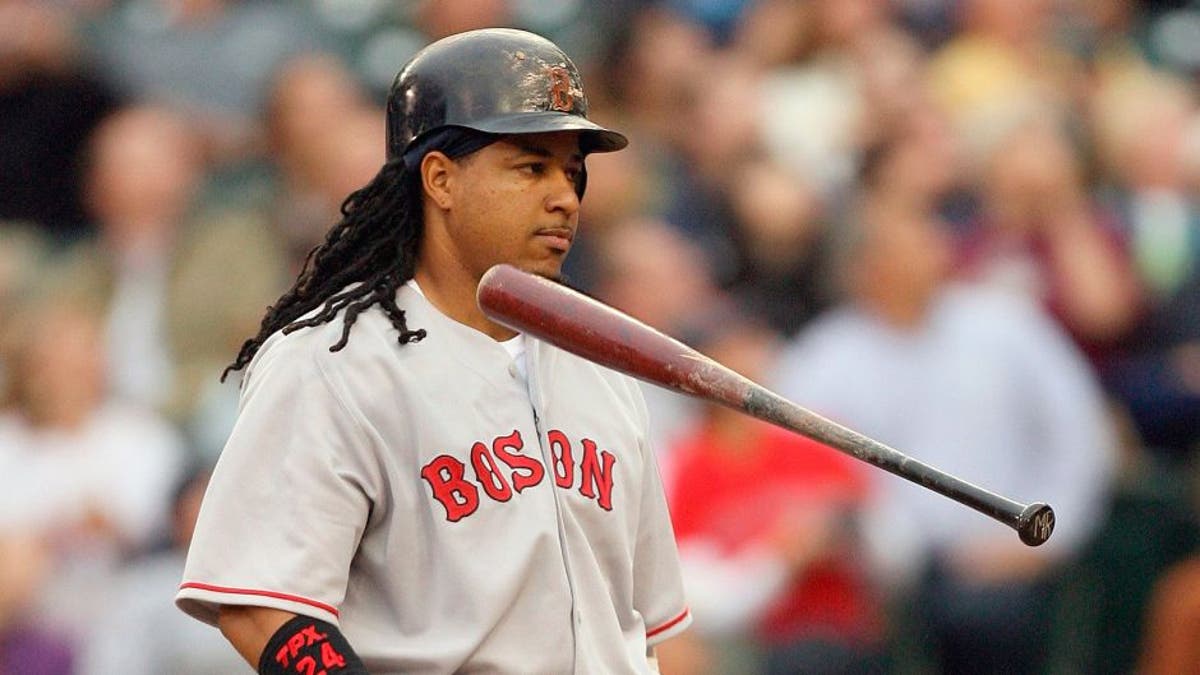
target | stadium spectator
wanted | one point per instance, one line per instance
(1143, 123)
(1042, 235)
(211, 58)
(766, 523)
(87, 476)
(976, 383)
(26, 644)
(142, 607)
(169, 319)
(49, 104)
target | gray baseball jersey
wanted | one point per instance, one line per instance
(447, 515)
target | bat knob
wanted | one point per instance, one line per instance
(1035, 524)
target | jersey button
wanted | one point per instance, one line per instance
(512, 369)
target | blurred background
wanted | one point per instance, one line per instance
(968, 228)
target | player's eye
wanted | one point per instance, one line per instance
(533, 168)
(573, 173)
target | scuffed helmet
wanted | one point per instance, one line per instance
(494, 80)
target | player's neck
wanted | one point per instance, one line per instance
(453, 294)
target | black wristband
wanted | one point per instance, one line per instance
(310, 647)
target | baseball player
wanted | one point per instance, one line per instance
(435, 493)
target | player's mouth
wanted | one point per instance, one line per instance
(557, 238)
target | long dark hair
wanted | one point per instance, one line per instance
(365, 258)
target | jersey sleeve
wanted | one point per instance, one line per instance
(658, 585)
(288, 500)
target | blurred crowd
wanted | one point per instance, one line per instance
(967, 228)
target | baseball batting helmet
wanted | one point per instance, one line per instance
(494, 80)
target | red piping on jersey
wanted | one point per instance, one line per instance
(268, 594)
(668, 625)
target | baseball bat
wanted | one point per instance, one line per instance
(590, 329)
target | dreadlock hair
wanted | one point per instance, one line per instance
(365, 258)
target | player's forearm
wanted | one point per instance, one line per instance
(276, 642)
(249, 629)
(652, 660)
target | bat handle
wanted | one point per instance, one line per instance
(1035, 524)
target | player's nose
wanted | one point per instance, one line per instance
(563, 196)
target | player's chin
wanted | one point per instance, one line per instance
(549, 267)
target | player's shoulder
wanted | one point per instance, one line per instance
(309, 347)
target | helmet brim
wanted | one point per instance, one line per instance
(592, 137)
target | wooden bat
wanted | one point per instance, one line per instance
(583, 326)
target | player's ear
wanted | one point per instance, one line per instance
(436, 174)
